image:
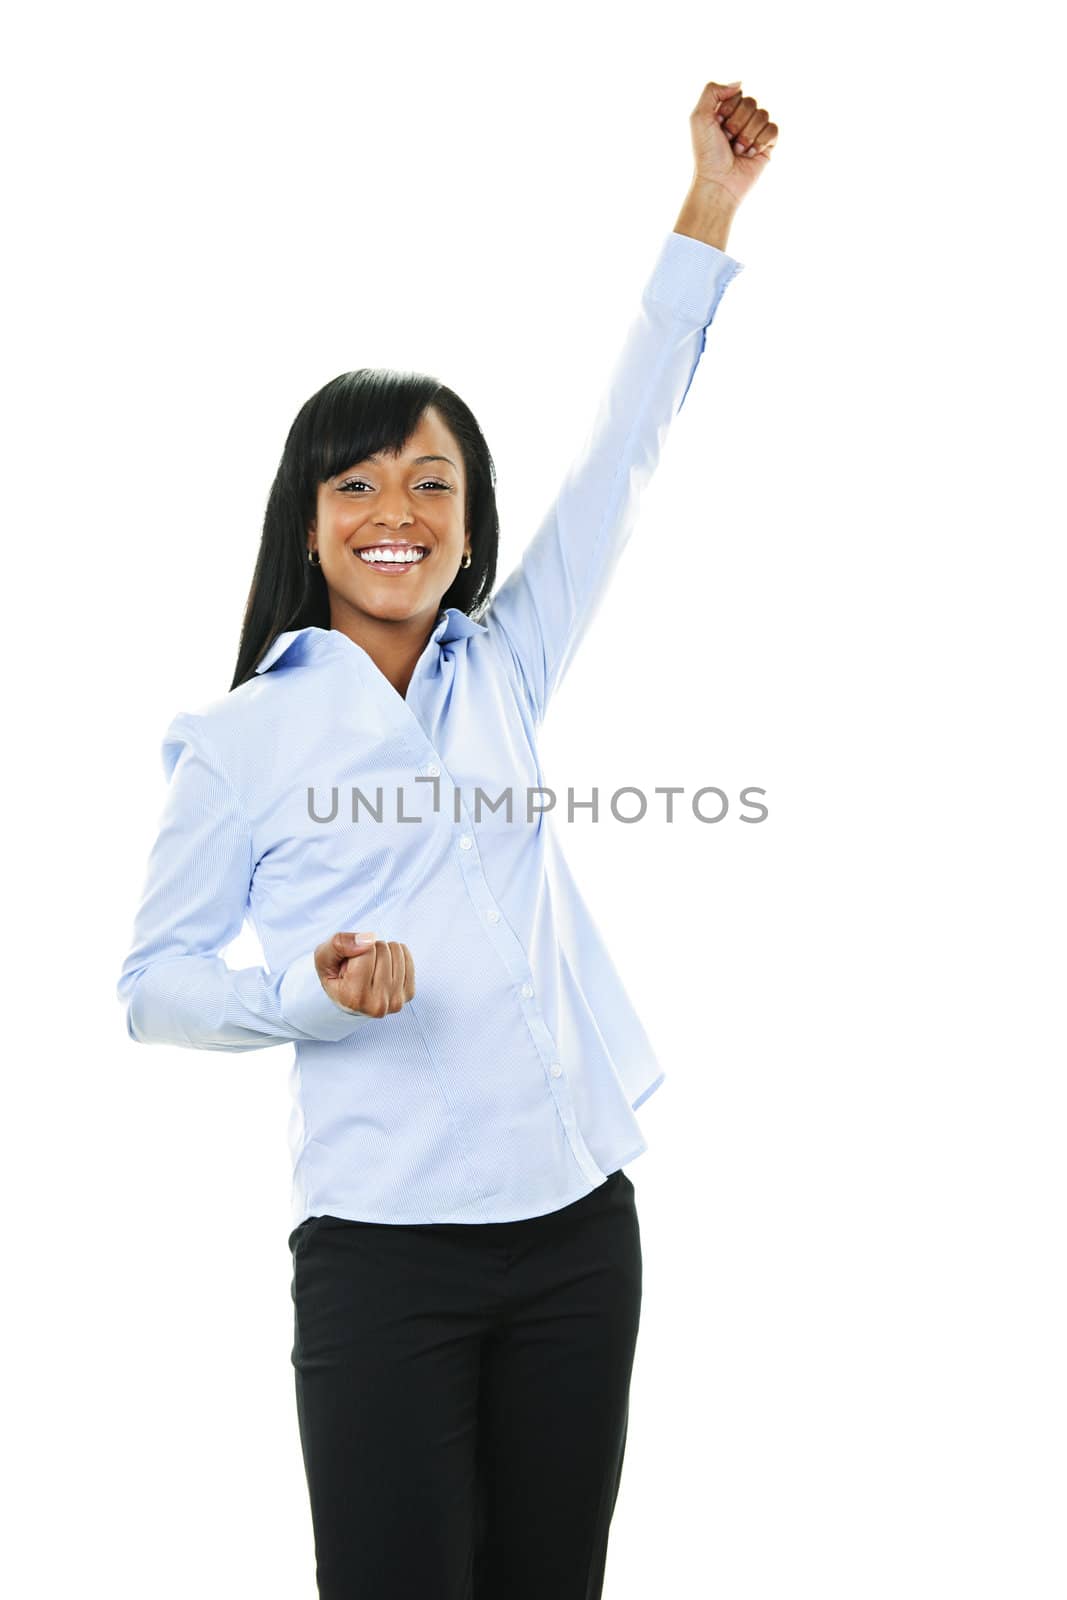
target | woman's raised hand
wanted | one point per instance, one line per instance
(374, 977)
(732, 138)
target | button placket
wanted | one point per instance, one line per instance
(510, 952)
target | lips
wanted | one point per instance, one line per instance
(406, 558)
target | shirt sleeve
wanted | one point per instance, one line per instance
(541, 612)
(176, 987)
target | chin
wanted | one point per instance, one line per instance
(395, 608)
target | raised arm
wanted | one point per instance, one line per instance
(540, 614)
(176, 987)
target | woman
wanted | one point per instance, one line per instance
(466, 1253)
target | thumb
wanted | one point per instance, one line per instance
(716, 93)
(344, 947)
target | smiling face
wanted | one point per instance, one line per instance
(416, 499)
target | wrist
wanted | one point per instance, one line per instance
(707, 212)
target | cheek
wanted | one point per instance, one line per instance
(451, 523)
(340, 522)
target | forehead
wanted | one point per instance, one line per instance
(431, 442)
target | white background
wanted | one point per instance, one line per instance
(844, 589)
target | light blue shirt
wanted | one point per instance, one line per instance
(507, 1086)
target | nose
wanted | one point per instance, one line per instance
(394, 508)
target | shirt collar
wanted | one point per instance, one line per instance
(451, 625)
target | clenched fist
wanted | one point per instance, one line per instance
(732, 137)
(374, 978)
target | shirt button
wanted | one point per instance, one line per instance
(556, 1070)
(434, 770)
(494, 916)
(527, 990)
(465, 842)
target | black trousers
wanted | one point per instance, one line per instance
(462, 1394)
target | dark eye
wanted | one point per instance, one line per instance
(432, 483)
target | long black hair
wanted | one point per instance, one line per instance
(357, 414)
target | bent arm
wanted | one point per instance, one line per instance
(175, 986)
(541, 612)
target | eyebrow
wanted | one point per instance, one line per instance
(418, 459)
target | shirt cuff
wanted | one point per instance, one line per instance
(304, 1002)
(690, 277)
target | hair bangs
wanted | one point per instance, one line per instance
(373, 411)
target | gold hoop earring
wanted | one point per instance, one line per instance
(466, 560)
(313, 557)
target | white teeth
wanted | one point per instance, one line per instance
(406, 558)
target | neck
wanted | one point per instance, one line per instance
(393, 645)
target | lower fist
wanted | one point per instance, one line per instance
(360, 973)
